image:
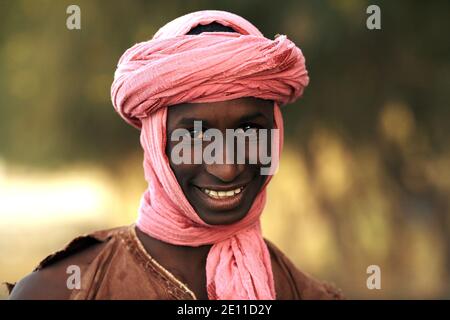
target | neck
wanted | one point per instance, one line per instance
(173, 256)
(188, 264)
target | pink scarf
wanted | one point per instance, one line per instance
(175, 68)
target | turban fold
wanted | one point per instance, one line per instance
(174, 68)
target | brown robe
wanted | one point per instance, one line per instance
(124, 270)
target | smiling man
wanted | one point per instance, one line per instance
(198, 233)
(221, 192)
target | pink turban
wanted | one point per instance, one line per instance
(174, 68)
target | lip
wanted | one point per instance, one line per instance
(224, 204)
(223, 187)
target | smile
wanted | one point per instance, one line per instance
(222, 194)
(221, 200)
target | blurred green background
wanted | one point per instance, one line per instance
(364, 177)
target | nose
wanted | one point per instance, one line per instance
(225, 172)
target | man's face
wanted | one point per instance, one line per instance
(220, 193)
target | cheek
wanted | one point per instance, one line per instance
(184, 172)
(180, 152)
(256, 150)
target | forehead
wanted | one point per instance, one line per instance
(221, 113)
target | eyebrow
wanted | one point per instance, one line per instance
(253, 116)
(188, 121)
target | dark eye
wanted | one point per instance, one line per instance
(196, 134)
(249, 126)
(249, 131)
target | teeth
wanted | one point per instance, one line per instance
(222, 194)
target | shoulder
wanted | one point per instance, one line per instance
(49, 278)
(292, 283)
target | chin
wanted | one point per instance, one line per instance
(222, 218)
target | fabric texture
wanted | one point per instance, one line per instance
(174, 68)
(119, 268)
